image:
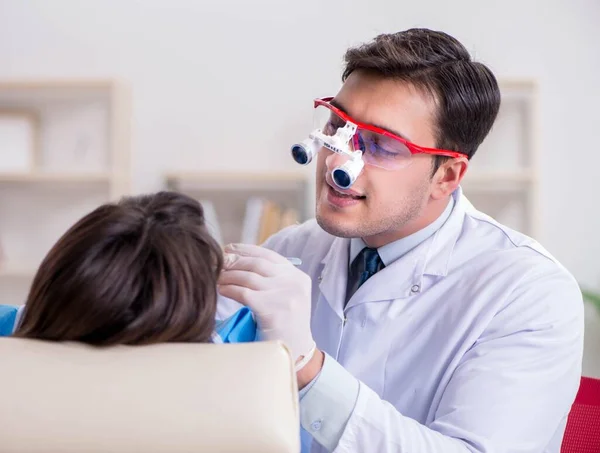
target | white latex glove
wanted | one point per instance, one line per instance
(278, 293)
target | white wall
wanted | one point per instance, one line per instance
(237, 77)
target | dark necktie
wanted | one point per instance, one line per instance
(365, 265)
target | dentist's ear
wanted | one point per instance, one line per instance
(448, 177)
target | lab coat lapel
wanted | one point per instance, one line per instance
(393, 282)
(397, 281)
(401, 279)
(404, 277)
(335, 275)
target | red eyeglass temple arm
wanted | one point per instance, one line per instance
(414, 149)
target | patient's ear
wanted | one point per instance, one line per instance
(229, 259)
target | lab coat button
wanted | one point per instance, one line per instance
(315, 426)
(415, 288)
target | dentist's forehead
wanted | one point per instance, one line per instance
(393, 105)
(340, 106)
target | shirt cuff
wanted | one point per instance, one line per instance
(327, 403)
(308, 386)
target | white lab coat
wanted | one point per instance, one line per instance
(472, 341)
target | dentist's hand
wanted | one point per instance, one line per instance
(278, 293)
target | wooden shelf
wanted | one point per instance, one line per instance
(79, 178)
(479, 177)
(65, 84)
(235, 176)
(235, 181)
(21, 272)
(55, 90)
(498, 182)
(513, 89)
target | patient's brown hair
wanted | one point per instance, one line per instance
(140, 271)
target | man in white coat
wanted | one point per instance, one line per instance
(420, 324)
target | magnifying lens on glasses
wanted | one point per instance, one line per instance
(336, 139)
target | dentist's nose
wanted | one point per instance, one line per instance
(334, 160)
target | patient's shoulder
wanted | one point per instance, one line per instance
(8, 319)
(237, 328)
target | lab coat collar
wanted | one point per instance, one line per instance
(402, 278)
(397, 249)
(441, 244)
(335, 275)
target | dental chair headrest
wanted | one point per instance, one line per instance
(73, 398)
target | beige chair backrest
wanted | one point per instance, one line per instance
(167, 398)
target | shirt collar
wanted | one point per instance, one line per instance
(394, 250)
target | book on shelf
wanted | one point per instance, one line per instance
(211, 220)
(265, 218)
(262, 218)
(251, 226)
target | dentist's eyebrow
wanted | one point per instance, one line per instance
(338, 105)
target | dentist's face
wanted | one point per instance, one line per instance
(381, 205)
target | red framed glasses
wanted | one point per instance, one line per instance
(379, 147)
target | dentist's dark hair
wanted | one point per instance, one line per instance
(466, 92)
(140, 271)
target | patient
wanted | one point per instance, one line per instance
(137, 272)
(140, 271)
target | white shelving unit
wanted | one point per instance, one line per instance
(502, 179)
(78, 158)
(227, 199)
